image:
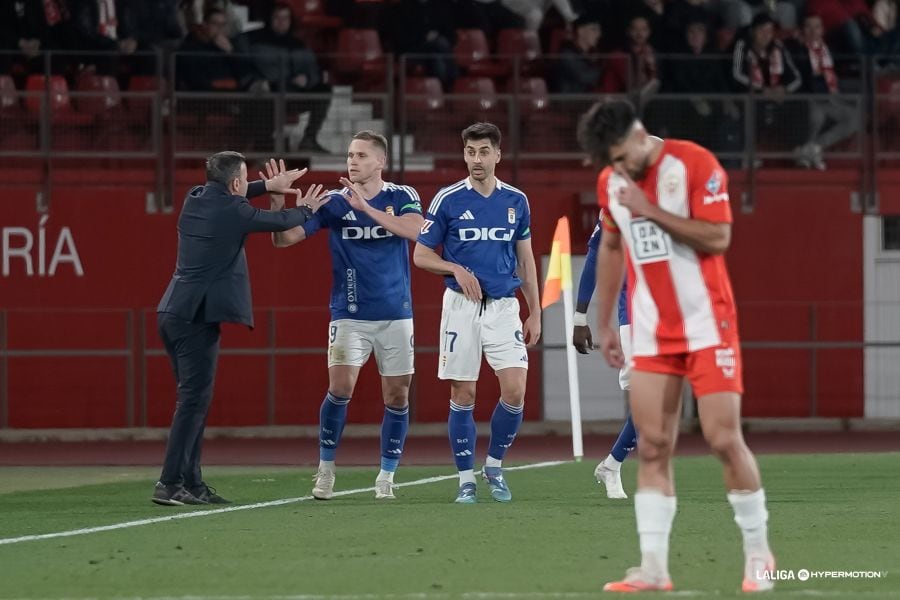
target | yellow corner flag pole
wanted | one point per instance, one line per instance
(559, 282)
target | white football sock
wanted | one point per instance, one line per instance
(467, 476)
(611, 463)
(327, 465)
(490, 461)
(655, 513)
(751, 516)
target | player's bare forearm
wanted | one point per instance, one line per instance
(705, 236)
(610, 273)
(528, 275)
(426, 258)
(406, 226)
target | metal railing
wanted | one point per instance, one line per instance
(165, 124)
(138, 348)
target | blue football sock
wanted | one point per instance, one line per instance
(504, 427)
(461, 427)
(332, 417)
(393, 435)
(626, 441)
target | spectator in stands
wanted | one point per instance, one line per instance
(194, 11)
(533, 11)
(426, 27)
(580, 69)
(761, 65)
(488, 15)
(206, 60)
(643, 78)
(35, 25)
(285, 63)
(831, 120)
(737, 14)
(698, 71)
(849, 24)
(150, 24)
(681, 13)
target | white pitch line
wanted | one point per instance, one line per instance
(217, 511)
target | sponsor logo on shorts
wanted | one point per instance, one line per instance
(727, 361)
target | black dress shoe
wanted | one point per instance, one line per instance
(208, 495)
(173, 495)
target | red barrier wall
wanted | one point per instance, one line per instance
(801, 247)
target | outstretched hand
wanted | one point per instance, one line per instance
(315, 198)
(354, 195)
(281, 179)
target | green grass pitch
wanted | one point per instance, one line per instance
(559, 538)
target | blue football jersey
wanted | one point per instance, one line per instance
(369, 264)
(588, 280)
(479, 233)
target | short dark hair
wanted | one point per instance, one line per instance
(481, 131)
(367, 135)
(604, 125)
(224, 167)
(211, 12)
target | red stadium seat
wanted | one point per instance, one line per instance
(103, 94)
(481, 96)
(311, 14)
(61, 109)
(473, 55)
(533, 95)
(360, 58)
(426, 94)
(9, 97)
(521, 44)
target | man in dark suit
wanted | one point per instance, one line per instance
(211, 285)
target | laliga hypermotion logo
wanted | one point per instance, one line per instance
(20, 247)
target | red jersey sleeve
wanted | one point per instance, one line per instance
(606, 219)
(709, 189)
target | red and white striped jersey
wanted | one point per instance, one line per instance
(680, 298)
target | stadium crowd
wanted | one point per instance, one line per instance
(775, 48)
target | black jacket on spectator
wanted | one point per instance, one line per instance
(149, 22)
(197, 72)
(744, 59)
(86, 19)
(411, 20)
(272, 52)
(576, 72)
(812, 84)
(689, 73)
(26, 19)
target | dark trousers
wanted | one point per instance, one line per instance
(194, 351)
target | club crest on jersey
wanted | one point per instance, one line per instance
(671, 184)
(511, 216)
(715, 183)
(389, 210)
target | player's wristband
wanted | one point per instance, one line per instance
(580, 319)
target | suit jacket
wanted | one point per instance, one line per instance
(211, 283)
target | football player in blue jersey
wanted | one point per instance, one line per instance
(483, 228)
(370, 222)
(608, 472)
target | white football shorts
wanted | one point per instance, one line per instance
(467, 331)
(351, 342)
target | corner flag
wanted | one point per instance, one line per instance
(559, 283)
